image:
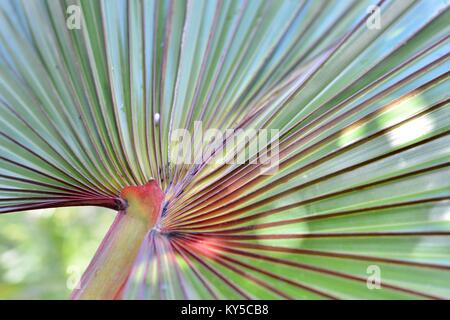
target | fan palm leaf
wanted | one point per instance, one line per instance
(357, 178)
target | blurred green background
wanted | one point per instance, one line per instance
(44, 252)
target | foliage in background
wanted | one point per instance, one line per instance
(43, 253)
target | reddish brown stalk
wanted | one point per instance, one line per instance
(106, 275)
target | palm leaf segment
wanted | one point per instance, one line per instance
(363, 119)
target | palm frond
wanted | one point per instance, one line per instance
(361, 176)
